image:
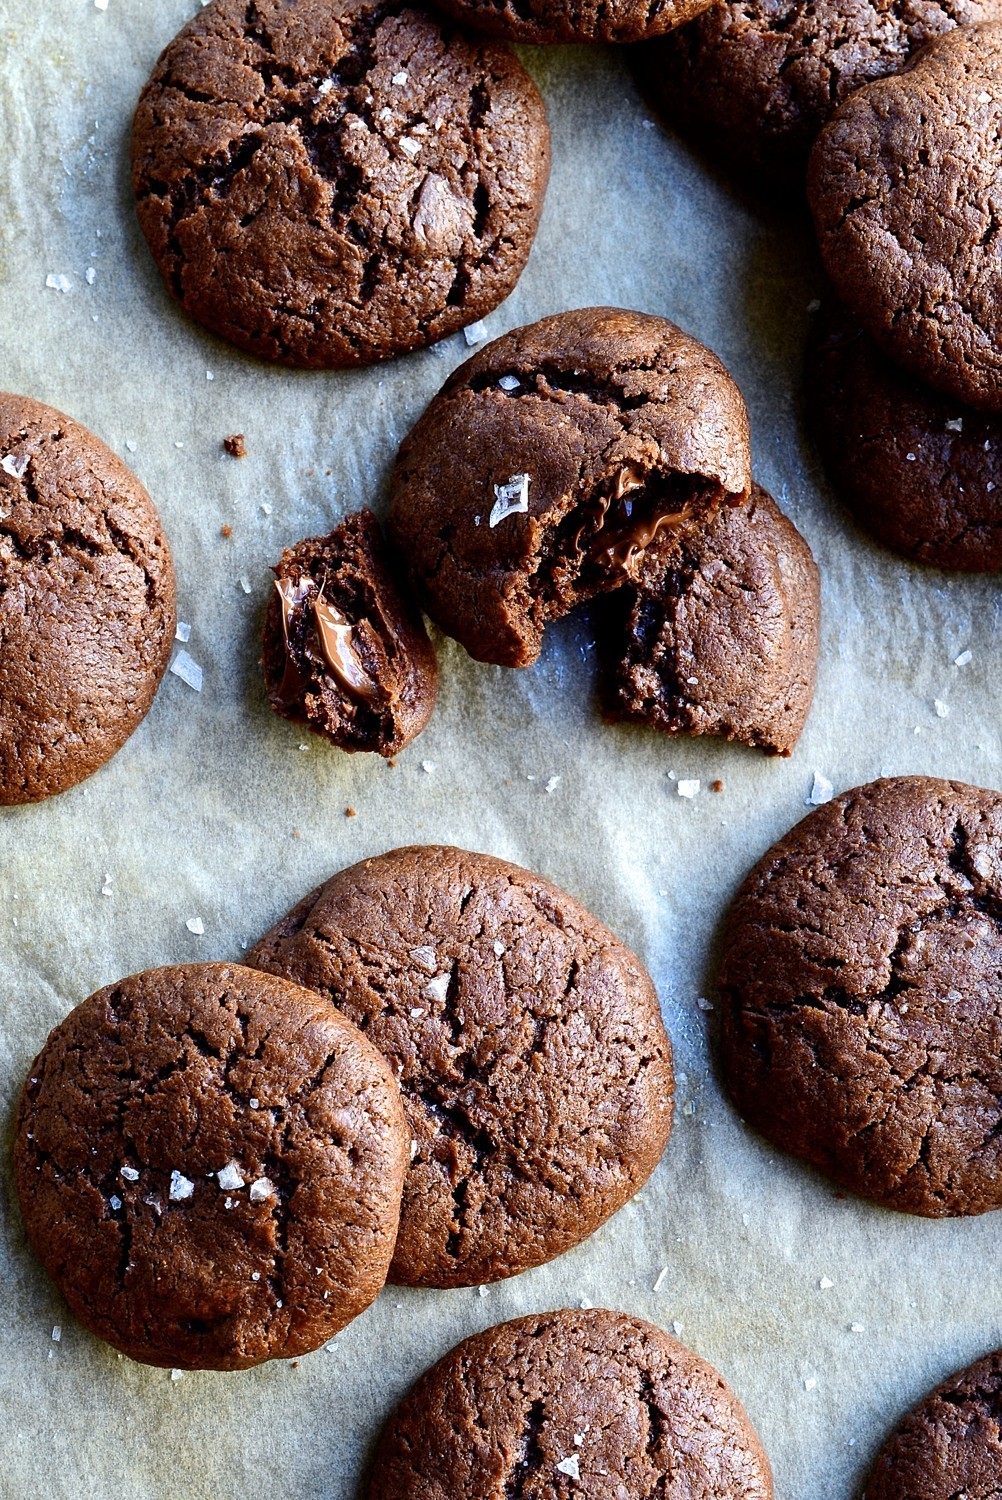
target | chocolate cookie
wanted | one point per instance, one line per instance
(862, 1013)
(920, 472)
(949, 1447)
(721, 632)
(528, 1042)
(593, 1404)
(755, 80)
(209, 1163)
(903, 187)
(333, 182)
(345, 653)
(549, 462)
(86, 602)
(574, 20)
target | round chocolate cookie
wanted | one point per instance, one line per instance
(548, 463)
(949, 1447)
(755, 80)
(920, 472)
(593, 1404)
(209, 1163)
(345, 652)
(333, 182)
(720, 635)
(86, 602)
(903, 185)
(528, 1042)
(862, 1013)
(574, 20)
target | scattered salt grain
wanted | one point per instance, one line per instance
(578, 1439)
(512, 499)
(130, 1174)
(230, 1178)
(245, 584)
(810, 1383)
(411, 147)
(188, 670)
(585, 1304)
(826, 1283)
(483, 1291)
(985, 98)
(209, 375)
(57, 1334)
(181, 1187)
(570, 1466)
(662, 1277)
(254, 1103)
(942, 709)
(676, 1329)
(687, 788)
(509, 382)
(255, 1276)
(438, 988)
(183, 631)
(131, 445)
(90, 275)
(415, 1148)
(814, 305)
(196, 925)
(115, 1203)
(58, 283)
(962, 659)
(266, 508)
(424, 956)
(178, 443)
(416, 1012)
(261, 1189)
(857, 1328)
(100, 4)
(553, 783)
(400, 79)
(703, 1003)
(176, 1375)
(106, 889)
(13, 468)
(821, 791)
(955, 424)
(476, 333)
(499, 950)
(910, 457)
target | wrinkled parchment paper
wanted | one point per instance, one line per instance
(217, 811)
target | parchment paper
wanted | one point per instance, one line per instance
(216, 810)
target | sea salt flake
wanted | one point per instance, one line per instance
(438, 988)
(857, 1328)
(131, 445)
(325, 88)
(499, 950)
(261, 1189)
(254, 1103)
(106, 889)
(188, 670)
(512, 499)
(58, 283)
(578, 1439)
(230, 1178)
(955, 424)
(245, 584)
(826, 1283)
(424, 956)
(13, 468)
(100, 4)
(115, 1203)
(266, 508)
(676, 1329)
(130, 1174)
(821, 791)
(483, 1291)
(416, 1012)
(553, 783)
(687, 788)
(415, 1148)
(399, 79)
(411, 147)
(181, 1187)
(509, 382)
(703, 1003)
(57, 1333)
(810, 1383)
(662, 1277)
(196, 925)
(428, 766)
(585, 1304)
(183, 631)
(255, 1276)
(963, 658)
(176, 1375)
(570, 1466)
(983, 97)
(814, 305)
(475, 333)
(942, 709)
(90, 275)
(910, 457)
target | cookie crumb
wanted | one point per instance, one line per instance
(236, 445)
(350, 812)
(226, 531)
(717, 786)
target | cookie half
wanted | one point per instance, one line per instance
(550, 461)
(950, 1444)
(720, 635)
(86, 601)
(753, 81)
(345, 651)
(571, 1403)
(574, 20)
(527, 1040)
(861, 1005)
(903, 185)
(919, 471)
(332, 182)
(209, 1162)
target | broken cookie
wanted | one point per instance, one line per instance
(345, 653)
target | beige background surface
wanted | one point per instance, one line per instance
(197, 817)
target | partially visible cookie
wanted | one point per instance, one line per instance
(720, 635)
(331, 182)
(862, 1012)
(574, 20)
(345, 652)
(903, 185)
(593, 1404)
(209, 1162)
(949, 1446)
(527, 1040)
(753, 81)
(548, 463)
(919, 471)
(86, 601)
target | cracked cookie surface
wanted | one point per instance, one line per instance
(526, 1038)
(544, 21)
(332, 182)
(86, 601)
(949, 1446)
(862, 1012)
(209, 1163)
(720, 635)
(920, 472)
(345, 652)
(547, 464)
(755, 80)
(903, 186)
(589, 1403)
